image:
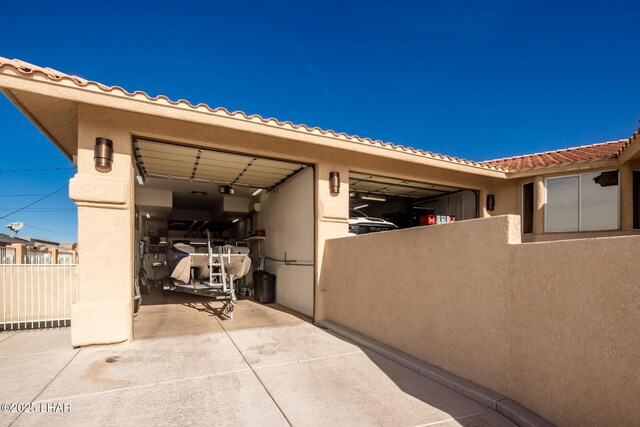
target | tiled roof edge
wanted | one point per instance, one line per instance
(560, 151)
(29, 69)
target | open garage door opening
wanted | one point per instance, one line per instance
(381, 203)
(210, 225)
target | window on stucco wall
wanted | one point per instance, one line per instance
(527, 208)
(636, 199)
(586, 202)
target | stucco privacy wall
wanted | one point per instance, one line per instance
(552, 325)
(287, 216)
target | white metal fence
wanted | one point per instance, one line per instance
(37, 295)
(37, 257)
(7, 255)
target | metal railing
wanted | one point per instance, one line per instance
(37, 295)
(37, 257)
(7, 255)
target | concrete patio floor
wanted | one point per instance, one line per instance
(187, 366)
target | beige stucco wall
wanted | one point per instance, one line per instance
(288, 218)
(104, 312)
(552, 325)
(105, 200)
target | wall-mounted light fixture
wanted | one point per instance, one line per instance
(103, 154)
(491, 202)
(148, 215)
(334, 183)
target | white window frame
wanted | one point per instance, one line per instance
(579, 175)
(522, 205)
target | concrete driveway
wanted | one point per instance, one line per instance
(187, 366)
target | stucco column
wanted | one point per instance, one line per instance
(54, 255)
(332, 220)
(104, 312)
(21, 253)
(538, 205)
(626, 197)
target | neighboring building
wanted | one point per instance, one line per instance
(172, 160)
(6, 240)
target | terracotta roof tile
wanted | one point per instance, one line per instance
(570, 155)
(30, 69)
(586, 153)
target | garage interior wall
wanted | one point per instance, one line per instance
(287, 215)
(461, 204)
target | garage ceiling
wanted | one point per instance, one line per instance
(371, 184)
(164, 160)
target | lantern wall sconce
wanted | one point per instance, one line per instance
(491, 202)
(103, 154)
(334, 183)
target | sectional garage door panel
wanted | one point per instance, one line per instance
(163, 159)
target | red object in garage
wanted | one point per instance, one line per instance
(427, 220)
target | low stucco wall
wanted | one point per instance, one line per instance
(552, 325)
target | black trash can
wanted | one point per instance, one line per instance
(256, 278)
(265, 288)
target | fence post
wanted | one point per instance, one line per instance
(21, 253)
(54, 255)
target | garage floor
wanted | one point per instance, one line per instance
(268, 366)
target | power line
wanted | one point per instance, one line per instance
(40, 209)
(50, 231)
(28, 195)
(35, 170)
(37, 201)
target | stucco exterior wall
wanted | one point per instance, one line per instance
(104, 312)
(552, 325)
(288, 218)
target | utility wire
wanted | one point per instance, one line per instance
(40, 209)
(27, 195)
(35, 170)
(33, 203)
(50, 231)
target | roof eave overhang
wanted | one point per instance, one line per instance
(161, 107)
(566, 168)
(632, 150)
(7, 92)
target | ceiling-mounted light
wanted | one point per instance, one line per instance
(258, 191)
(103, 154)
(373, 198)
(235, 220)
(148, 215)
(199, 193)
(355, 195)
(361, 206)
(226, 189)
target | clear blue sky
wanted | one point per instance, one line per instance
(476, 79)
